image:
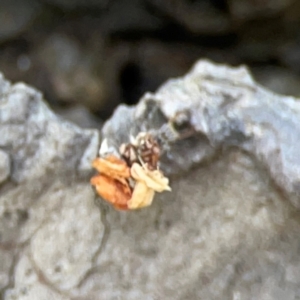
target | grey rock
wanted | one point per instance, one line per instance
(46, 203)
(230, 220)
(28, 284)
(227, 109)
(6, 263)
(79, 115)
(228, 230)
(77, 239)
(4, 166)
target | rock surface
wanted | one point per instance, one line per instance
(47, 212)
(228, 230)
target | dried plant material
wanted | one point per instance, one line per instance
(105, 149)
(112, 182)
(148, 150)
(129, 153)
(130, 182)
(112, 190)
(142, 196)
(153, 179)
(113, 167)
(144, 148)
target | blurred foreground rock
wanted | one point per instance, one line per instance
(228, 230)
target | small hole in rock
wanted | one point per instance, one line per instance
(131, 81)
(221, 5)
(218, 4)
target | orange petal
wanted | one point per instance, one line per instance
(112, 167)
(112, 190)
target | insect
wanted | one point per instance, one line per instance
(131, 180)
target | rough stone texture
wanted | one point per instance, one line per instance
(4, 166)
(46, 204)
(228, 230)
